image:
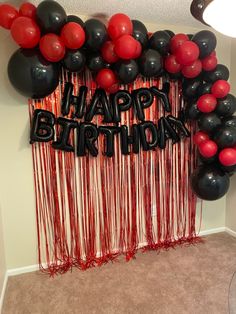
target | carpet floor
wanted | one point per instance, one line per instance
(196, 279)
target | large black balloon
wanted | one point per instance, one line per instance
(226, 107)
(127, 71)
(31, 74)
(96, 34)
(206, 42)
(225, 136)
(190, 87)
(160, 41)
(75, 19)
(204, 88)
(95, 62)
(74, 60)
(209, 182)
(150, 63)
(140, 32)
(50, 16)
(221, 72)
(192, 111)
(209, 122)
(230, 121)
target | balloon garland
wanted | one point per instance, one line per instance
(118, 53)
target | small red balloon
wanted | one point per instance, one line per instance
(7, 15)
(207, 103)
(200, 137)
(106, 78)
(193, 70)
(220, 89)
(28, 9)
(187, 53)
(125, 47)
(209, 63)
(25, 32)
(176, 41)
(208, 149)
(73, 35)
(171, 65)
(118, 25)
(227, 157)
(52, 47)
(108, 52)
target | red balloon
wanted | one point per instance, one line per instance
(7, 15)
(138, 50)
(73, 35)
(207, 103)
(193, 70)
(118, 25)
(125, 47)
(113, 89)
(171, 65)
(227, 157)
(106, 78)
(187, 53)
(25, 32)
(209, 63)
(108, 52)
(200, 137)
(27, 9)
(52, 47)
(208, 149)
(176, 41)
(220, 89)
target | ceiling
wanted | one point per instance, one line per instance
(154, 11)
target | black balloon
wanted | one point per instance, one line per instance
(96, 34)
(95, 62)
(209, 122)
(192, 112)
(209, 182)
(42, 128)
(226, 107)
(204, 160)
(50, 16)
(160, 41)
(172, 34)
(74, 60)
(31, 75)
(190, 87)
(127, 71)
(221, 72)
(229, 169)
(140, 32)
(206, 42)
(204, 88)
(150, 63)
(75, 19)
(230, 121)
(225, 136)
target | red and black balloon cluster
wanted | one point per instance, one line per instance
(117, 54)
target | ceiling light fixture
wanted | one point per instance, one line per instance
(219, 14)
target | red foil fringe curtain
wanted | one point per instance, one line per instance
(90, 210)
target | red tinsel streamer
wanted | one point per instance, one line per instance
(90, 210)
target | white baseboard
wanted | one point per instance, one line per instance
(3, 291)
(231, 232)
(32, 268)
(212, 231)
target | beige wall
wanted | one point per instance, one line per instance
(231, 196)
(16, 180)
(2, 255)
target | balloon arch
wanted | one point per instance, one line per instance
(118, 53)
